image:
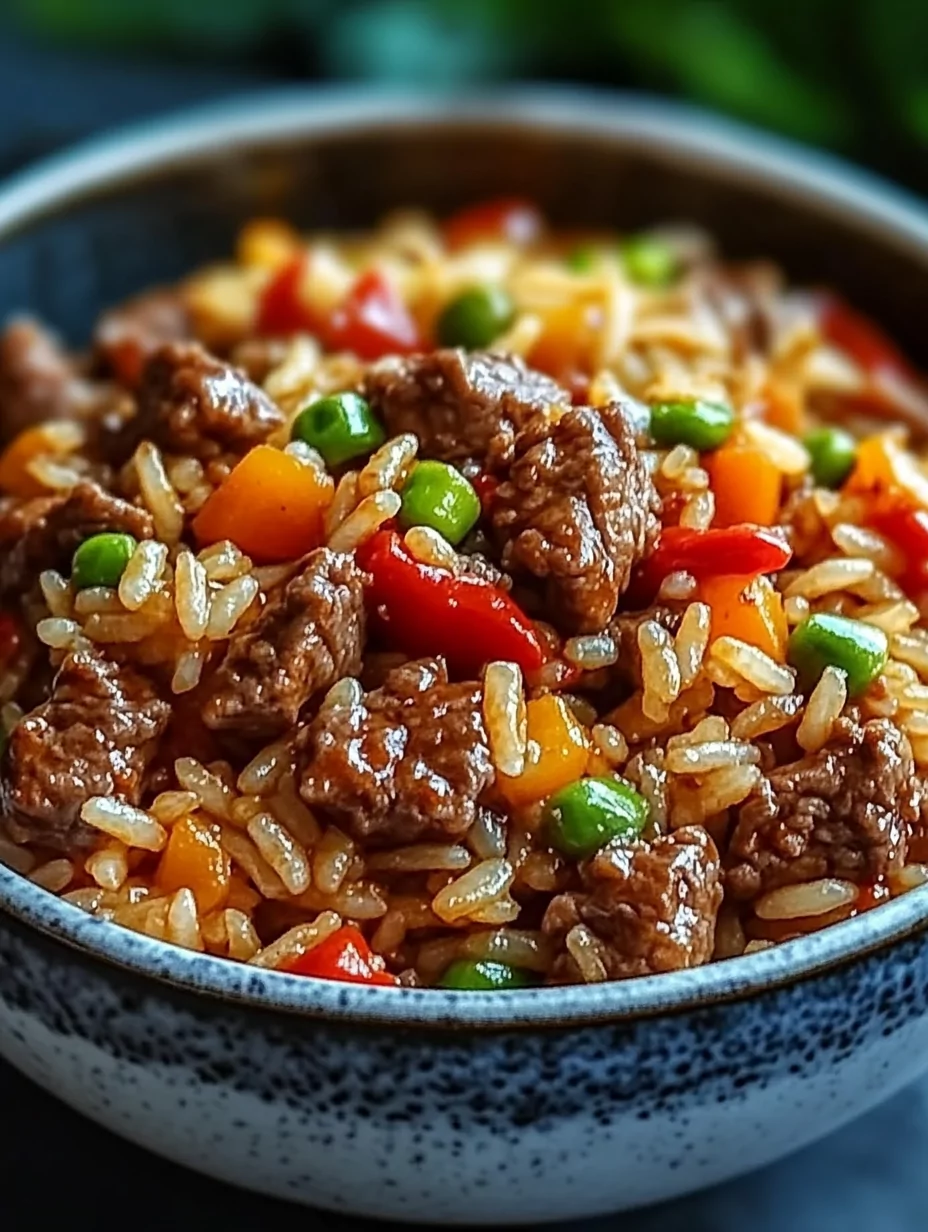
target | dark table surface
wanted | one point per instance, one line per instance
(869, 1177)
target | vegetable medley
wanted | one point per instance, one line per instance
(466, 604)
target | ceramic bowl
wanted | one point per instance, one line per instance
(448, 1106)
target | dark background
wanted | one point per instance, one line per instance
(852, 77)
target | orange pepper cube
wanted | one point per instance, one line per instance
(557, 754)
(271, 506)
(749, 609)
(746, 485)
(194, 859)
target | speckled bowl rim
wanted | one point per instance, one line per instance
(684, 136)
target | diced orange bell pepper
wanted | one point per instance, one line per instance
(194, 858)
(271, 507)
(557, 753)
(746, 485)
(783, 408)
(749, 609)
(14, 477)
(885, 465)
(566, 343)
(267, 243)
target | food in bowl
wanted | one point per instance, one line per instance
(466, 604)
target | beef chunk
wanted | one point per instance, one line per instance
(410, 760)
(652, 906)
(578, 510)
(95, 736)
(43, 533)
(128, 335)
(842, 812)
(308, 636)
(191, 403)
(461, 406)
(38, 381)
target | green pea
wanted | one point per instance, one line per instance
(101, 560)
(475, 318)
(858, 649)
(583, 259)
(341, 426)
(589, 813)
(702, 425)
(833, 453)
(649, 261)
(484, 975)
(439, 496)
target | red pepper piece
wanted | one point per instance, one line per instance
(485, 486)
(906, 529)
(744, 550)
(428, 611)
(373, 321)
(281, 308)
(861, 339)
(346, 956)
(507, 218)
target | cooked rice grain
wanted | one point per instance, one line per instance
(823, 709)
(660, 671)
(284, 854)
(430, 547)
(389, 466)
(229, 604)
(476, 889)
(752, 665)
(122, 821)
(504, 714)
(363, 521)
(298, 941)
(158, 493)
(142, 574)
(812, 898)
(691, 641)
(584, 949)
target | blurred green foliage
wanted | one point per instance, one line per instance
(851, 75)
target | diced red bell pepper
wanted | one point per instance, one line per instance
(282, 309)
(373, 321)
(485, 486)
(428, 611)
(507, 218)
(861, 339)
(906, 529)
(346, 956)
(745, 550)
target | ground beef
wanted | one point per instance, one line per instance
(842, 812)
(578, 510)
(95, 736)
(191, 403)
(461, 406)
(43, 533)
(39, 381)
(409, 761)
(126, 336)
(653, 906)
(309, 635)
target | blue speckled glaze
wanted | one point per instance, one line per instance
(447, 1106)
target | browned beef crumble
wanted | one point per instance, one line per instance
(129, 334)
(39, 381)
(578, 511)
(461, 406)
(310, 634)
(43, 533)
(410, 760)
(192, 403)
(652, 906)
(845, 812)
(95, 736)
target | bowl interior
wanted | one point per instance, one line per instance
(599, 165)
(148, 206)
